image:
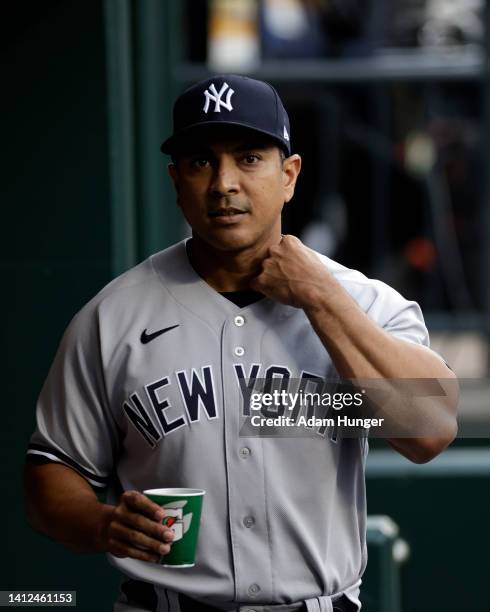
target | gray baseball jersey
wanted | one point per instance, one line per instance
(146, 391)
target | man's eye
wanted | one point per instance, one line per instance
(200, 162)
(251, 158)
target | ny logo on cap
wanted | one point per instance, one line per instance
(212, 94)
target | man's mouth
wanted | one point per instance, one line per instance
(226, 212)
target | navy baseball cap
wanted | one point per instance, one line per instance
(230, 99)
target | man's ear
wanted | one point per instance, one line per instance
(173, 172)
(291, 168)
(174, 175)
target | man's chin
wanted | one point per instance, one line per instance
(234, 239)
(229, 242)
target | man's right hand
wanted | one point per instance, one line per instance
(133, 529)
(62, 505)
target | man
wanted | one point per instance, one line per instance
(149, 385)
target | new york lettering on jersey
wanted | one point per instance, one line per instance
(196, 398)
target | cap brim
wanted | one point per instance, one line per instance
(173, 143)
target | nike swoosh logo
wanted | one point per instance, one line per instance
(146, 337)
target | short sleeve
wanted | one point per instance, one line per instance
(384, 305)
(74, 425)
(398, 316)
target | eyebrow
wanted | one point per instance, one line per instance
(253, 144)
(204, 148)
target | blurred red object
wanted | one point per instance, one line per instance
(421, 253)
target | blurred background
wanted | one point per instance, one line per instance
(390, 108)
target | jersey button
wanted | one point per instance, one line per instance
(244, 452)
(239, 320)
(249, 521)
(239, 351)
(253, 589)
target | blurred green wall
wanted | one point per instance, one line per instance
(441, 509)
(87, 98)
(55, 247)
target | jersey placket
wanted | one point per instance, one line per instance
(248, 520)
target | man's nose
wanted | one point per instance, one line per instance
(225, 179)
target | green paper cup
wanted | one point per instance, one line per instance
(182, 509)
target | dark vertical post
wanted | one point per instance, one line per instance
(486, 172)
(158, 32)
(381, 179)
(121, 134)
(381, 183)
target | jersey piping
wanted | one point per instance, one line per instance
(56, 456)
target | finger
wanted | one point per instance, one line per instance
(142, 504)
(139, 522)
(268, 264)
(121, 550)
(290, 239)
(274, 250)
(136, 539)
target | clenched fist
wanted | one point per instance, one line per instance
(293, 274)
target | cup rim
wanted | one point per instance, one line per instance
(175, 492)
